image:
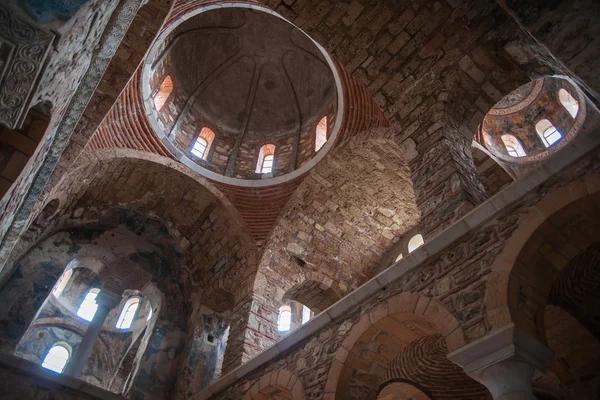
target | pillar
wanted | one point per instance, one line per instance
(106, 301)
(252, 330)
(445, 179)
(504, 362)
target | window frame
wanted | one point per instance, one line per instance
(542, 127)
(287, 311)
(58, 345)
(62, 282)
(126, 315)
(79, 309)
(165, 90)
(511, 142)
(204, 143)
(321, 134)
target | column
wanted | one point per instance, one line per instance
(445, 178)
(106, 301)
(252, 331)
(504, 362)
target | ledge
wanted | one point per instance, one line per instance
(585, 144)
(46, 378)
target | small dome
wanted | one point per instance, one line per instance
(248, 76)
(533, 121)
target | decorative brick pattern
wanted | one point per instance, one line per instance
(424, 362)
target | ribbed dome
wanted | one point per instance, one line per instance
(249, 76)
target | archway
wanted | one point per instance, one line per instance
(545, 282)
(372, 353)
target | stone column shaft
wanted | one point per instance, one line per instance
(106, 301)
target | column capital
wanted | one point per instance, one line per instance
(108, 299)
(504, 361)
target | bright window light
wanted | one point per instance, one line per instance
(305, 314)
(267, 165)
(199, 148)
(126, 317)
(56, 359)
(88, 306)
(321, 134)
(415, 242)
(284, 321)
(62, 283)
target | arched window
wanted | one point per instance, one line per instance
(547, 132)
(398, 258)
(88, 306)
(513, 146)
(306, 314)
(149, 314)
(266, 159)
(62, 283)
(568, 102)
(202, 143)
(163, 93)
(128, 312)
(321, 134)
(415, 242)
(56, 359)
(284, 321)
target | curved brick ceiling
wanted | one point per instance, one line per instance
(126, 126)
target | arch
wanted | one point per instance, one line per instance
(415, 242)
(128, 313)
(402, 390)
(315, 292)
(88, 307)
(57, 357)
(321, 134)
(498, 288)
(280, 384)
(162, 94)
(568, 102)
(547, 132)
(513, 146)
(427, 357)
(405, 306)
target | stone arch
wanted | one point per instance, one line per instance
(424, 365)
(403, 307)
(399, 389)
(501, 292)
(280, 384)
(314, 290)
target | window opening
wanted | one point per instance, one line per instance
(266, 159)
(129, 309)
(88, 306)
(547, 132)
(203, 142)
(321, 134)
(399, 257)
(568, 102)
(199, 148)
(415, 242)
(62, 283)
(267, 165)
(513, 146)
(284, 321)
(56, 359)
(306, 314)
(163, 93)
(149, 314)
